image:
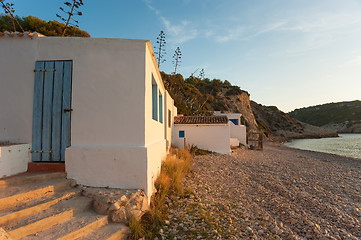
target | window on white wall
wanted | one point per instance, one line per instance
(169, 118)
(235, 121)
(154, 99)
(160, 107)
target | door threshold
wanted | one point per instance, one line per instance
(35, 167)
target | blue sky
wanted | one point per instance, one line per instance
(286, 53)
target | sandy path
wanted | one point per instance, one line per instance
(271, 194)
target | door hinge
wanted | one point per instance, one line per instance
(68, 110)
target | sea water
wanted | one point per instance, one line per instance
(348, 145)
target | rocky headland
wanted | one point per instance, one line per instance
(342, 117)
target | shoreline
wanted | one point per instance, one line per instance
(319, 150)
(296, 137)
(326, 153)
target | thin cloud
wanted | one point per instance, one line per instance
(179, 33)
(271, 27)
(149, 5)
(330, 24)
(231, 34)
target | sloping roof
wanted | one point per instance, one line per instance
(20, 34)
(201, 120)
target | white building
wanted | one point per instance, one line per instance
(237, 130)
(206, 132)
(98, 106)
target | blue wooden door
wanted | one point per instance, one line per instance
(51, 111)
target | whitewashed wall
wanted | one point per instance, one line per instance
(237, 131)
(212, 137)
(168, 127)
(111, 122)
(107, 88)
(155, 140)
(14, 159)
(17, 63)
(117, 167)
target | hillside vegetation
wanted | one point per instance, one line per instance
(34, 24)
(341, 116)
(194, 96)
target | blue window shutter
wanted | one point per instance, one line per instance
(181, 134)
(160, 108)
(154, 102)
(235, 121)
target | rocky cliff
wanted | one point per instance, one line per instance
(240, 103)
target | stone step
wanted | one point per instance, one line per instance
(55, 214)
(75, 228)
(111, 231)
(12, 196)
(35, 206)
(40, 225)
(30, 178)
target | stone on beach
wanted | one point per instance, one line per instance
(279, 193)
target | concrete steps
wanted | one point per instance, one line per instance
(7, 215)
(75, 227)
(47, 206)
(14, 195)
(30, 178)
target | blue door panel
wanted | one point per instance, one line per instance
(65, 140)
(47, 110)
(51, 124)
(38, 111)
(57, 111)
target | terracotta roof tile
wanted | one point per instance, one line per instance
(201, 120)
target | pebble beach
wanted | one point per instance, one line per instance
(276, 193)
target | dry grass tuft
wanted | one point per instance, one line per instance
(136, 227)
(169, 184)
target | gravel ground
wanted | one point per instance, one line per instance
(277, 193)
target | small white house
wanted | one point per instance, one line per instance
(97, 105)
(237, 130)
(206, 132)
